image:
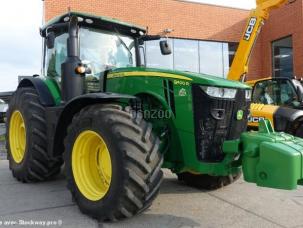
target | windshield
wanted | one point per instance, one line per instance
(275, 92)
(99, 50)
(103, 50)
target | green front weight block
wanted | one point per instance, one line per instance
(271, 159)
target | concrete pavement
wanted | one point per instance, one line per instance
(238, 205)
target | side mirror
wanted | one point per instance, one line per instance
(50, 40)
(165, 47)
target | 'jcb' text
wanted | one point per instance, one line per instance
(250, 28)
(254, 119)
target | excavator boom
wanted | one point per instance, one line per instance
(256, 20)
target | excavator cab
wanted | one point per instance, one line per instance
(283, 92)
(280, 100)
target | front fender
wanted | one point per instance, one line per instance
(45, 95)
(67, 113)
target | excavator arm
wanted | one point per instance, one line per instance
(239, 67)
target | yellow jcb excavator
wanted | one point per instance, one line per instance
(279, 100)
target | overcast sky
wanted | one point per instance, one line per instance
(20, 42)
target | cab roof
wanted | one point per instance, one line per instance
(253, 82)
(101, 22)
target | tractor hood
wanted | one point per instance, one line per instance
(193, 78)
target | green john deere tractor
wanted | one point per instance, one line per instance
(115, 123)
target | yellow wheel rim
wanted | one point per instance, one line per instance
(91, 165)
(17, 136)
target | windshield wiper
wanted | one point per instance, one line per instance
(124, 44)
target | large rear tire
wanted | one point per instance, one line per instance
(113, 165)
(207, 182)
(26, 138)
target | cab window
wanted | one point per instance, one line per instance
(55, 57)
(275, 92)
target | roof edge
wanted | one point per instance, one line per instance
(85, 14)
(213, 5)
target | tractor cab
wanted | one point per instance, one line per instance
(104, 44)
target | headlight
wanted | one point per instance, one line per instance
(219, 92)
(248, 94)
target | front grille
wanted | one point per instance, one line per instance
(216, 121)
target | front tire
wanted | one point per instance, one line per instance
(26, 138)
(113, 166)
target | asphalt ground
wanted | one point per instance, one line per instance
(239, 205)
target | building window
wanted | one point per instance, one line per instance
(155, 59)
(232, 48)
(283, 57)
(186, 55)
(205, 57)
(225, 57)
(211, 58)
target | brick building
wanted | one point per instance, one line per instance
(205, 36)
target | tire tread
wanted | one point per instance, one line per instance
(142, 164)
(37, 165)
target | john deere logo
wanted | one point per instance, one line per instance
(240, 114)
(182, 92)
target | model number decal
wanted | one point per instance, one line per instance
(250, 28)
(183, 83)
